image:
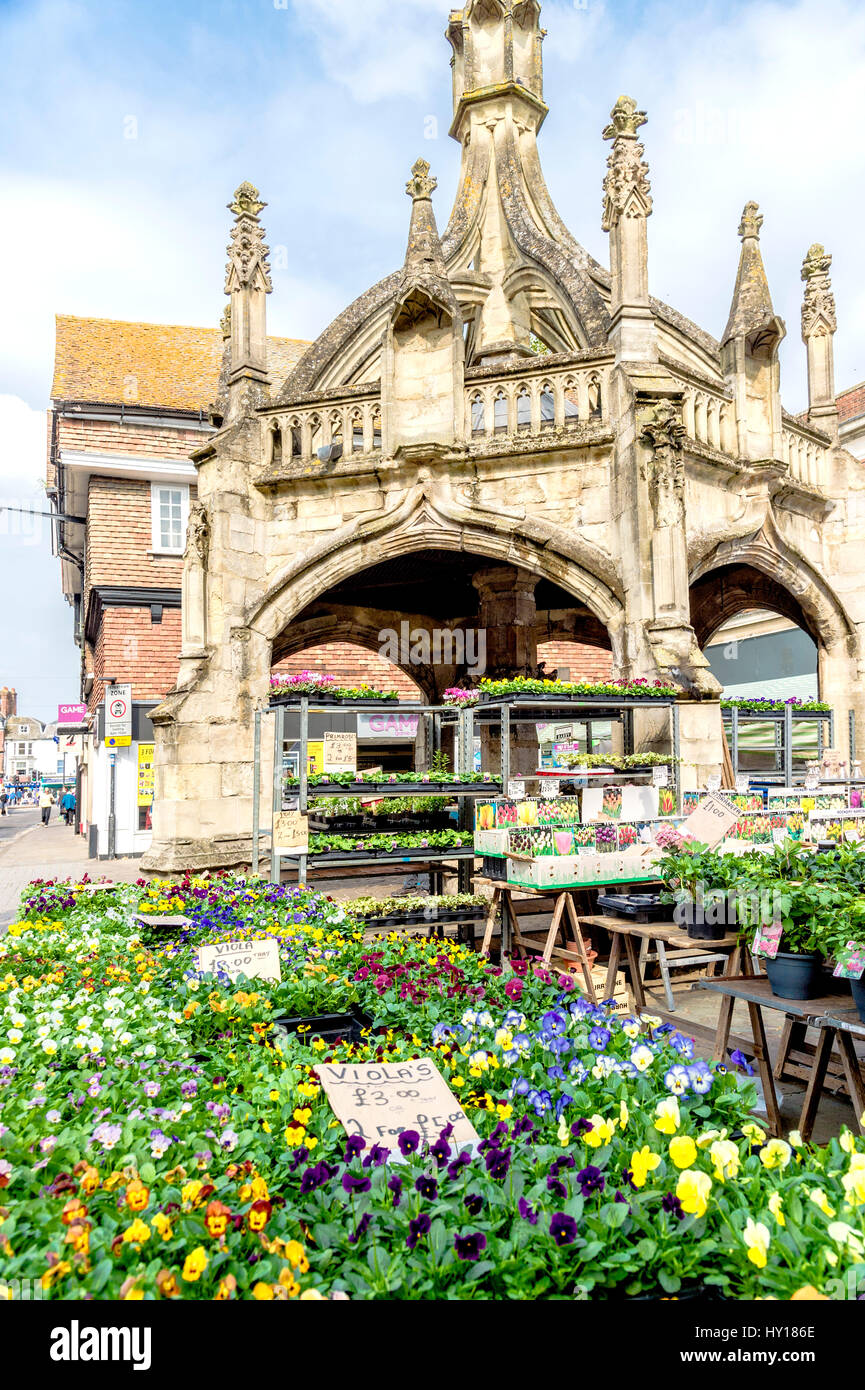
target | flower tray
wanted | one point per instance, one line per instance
(415, 919)
(329, 1027)
(549, 698)
(293, 697)
(399, 789)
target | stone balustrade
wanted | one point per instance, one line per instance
(297, 435)
(806, 457)
(535, 403)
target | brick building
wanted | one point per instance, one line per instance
(130, 402)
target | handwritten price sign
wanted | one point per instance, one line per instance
(381, 1101)
(257, 960)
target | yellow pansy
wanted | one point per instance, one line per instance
(642, 1164)
(754, 1133)
(819, 1198)
(683, 1151)
(776, 1207)
(624, 1115)
(693, 1192)
(777, 1154)
(601, 1133)
(668, 1116)
(194, 1265)
(726, 1158)
(757, 1239)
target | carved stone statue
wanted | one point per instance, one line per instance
(665, 470)
(195, 562)
(198, 534)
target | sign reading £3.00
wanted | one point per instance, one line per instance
(257, 960)
(384, 1100)
(118, 716)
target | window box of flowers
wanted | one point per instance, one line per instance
(777, 706)
(326, 690)
(397, 784)
(554, 692)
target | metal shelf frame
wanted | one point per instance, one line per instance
(783, 721)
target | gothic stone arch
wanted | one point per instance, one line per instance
(203, 817)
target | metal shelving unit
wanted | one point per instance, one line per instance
(784, 722)
(433, 717)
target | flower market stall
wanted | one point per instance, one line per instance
(163, 1136)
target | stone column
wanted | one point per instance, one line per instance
(627, 208)
(819, 323)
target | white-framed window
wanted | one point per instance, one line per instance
(170, 517)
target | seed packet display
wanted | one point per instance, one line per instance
(527, 813)
(757, 830)
(485, 815)
(585, 839)
(565, 810)
(667, 802)
(611, 806)
(857, 799)
(506, 814)
(629, 835)
(849, 827)
(607, 839)
(830, 801)
(748, 803)
(690, 802)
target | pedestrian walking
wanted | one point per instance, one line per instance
(4, 797)
(67, 807)
(46, 801)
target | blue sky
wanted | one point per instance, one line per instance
(125, 128)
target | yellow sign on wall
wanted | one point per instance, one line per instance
(315, 757)
(146, 776)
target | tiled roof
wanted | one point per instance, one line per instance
(851, 403)
(164, 366)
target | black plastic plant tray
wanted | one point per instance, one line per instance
(328, 1027)
(640, 908)
(292, 698)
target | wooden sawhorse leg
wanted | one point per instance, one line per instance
(819, 1068)
(853, 1073)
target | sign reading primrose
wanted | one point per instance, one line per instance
(384, 1101)
(257, 960)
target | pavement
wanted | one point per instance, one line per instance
(34, 851)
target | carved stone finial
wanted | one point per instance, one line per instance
(420, 185)
(626, 120)
(818, 311)
(752, 221)
(247, 201)
(627, 190)
(248, 256)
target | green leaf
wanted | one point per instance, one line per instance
(615, 1215)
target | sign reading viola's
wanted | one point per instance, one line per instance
(386, 1099)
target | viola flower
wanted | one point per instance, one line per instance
(563, 1229)
(427, 1187)
(194, 1266)
(726, 1158)
(642, 1057)
(740, 1061)
(643, 1163)
(776, 1154)
(591, 1180)
(498, 1162)
(395, 1186)
(668, 1117)
(409, 1142)
(355, 1145)
(757, 1240)
(673, 1207)
(683, 1151)
(473, 1203)
(418, 1227)
(470, 1247)
(678, 1081)
(527, 1212)
(361, 1230)
(693, 1192)
(558, 1189)
(352, 1184)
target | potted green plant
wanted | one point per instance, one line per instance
(780, 890)
(701, 884)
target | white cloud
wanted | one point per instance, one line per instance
(377, 48)
(23, 447)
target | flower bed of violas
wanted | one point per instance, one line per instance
(568, 690)
(778, 706)
(159, 1138)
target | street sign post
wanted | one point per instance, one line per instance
(118, 716)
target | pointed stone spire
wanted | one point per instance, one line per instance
(752, 307)
(424, 273)
(749, 350)
(627, 208)
(819, 323)
(247, 281)
(422, 377)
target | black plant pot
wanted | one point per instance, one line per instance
(692, 915)
(329, 1027)
(795, 977)
(858, 988)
